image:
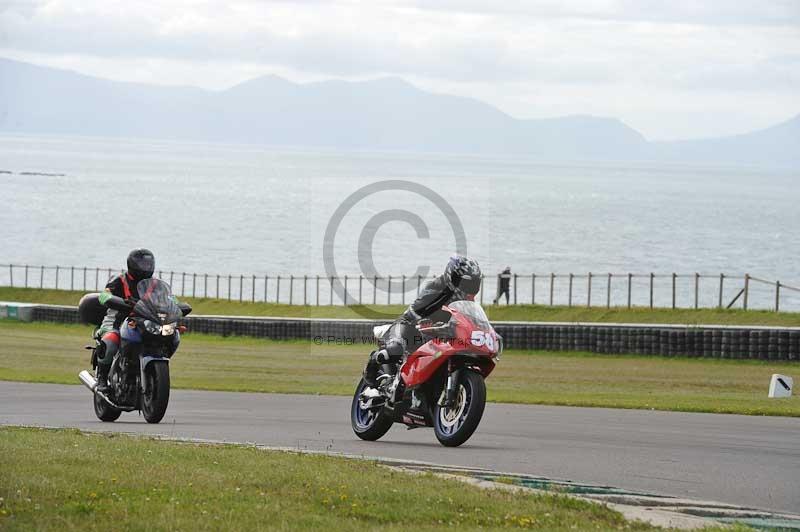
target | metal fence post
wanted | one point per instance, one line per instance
(630, 279)
(569, 297)
(57, 271)
(84, 277)
(746, 290)
(419, 283)
(171, 275)
(229, 287)
(72, 277)
(777, 296)
(41, 277)
(26, 277)
(608, 292)
(374, 289)
(217, 294)
(403, 290)
(278, 289)
(674, 277)
(652, 277)
(96, 278)
(253, 290)
(291, 288)
(183, 283)
(589, 291)
(305, 290)
(552, 282)
(331, 300)
(515, 289)
(345, 291)
(241, 287)
(317, 290)
(696, 290)
(389, 291)
(266, 282)
(721, 281)
(194, 284)
(11, 274)
(360, 283)
(205, 285)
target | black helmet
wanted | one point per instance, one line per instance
(141, 264)
(463, 275)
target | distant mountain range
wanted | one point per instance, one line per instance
(382, 114)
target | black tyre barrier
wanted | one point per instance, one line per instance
(762, 343)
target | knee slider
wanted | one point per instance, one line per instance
(395, 347)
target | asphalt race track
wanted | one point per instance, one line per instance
(746, 460)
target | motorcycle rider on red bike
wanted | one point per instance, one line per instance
(460, 281)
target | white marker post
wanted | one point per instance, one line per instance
(780, 386)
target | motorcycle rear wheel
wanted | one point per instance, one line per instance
(104, 411)
(155, 401)
(454, 425)
(368, 425)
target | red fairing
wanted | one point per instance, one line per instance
(423, 363)
(468, 339)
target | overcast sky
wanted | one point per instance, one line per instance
(670, 69)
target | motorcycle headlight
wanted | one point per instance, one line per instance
(168, 329)
(152, 327)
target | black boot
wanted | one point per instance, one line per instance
(376, 358)
(101, 375)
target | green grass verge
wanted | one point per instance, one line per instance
(43, 352)
(52, 480)
(497, 313)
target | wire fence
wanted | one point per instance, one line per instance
(649, 290)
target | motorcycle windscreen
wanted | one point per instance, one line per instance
(474, 312)
(156, 302)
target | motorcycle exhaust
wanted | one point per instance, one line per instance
(86, 378)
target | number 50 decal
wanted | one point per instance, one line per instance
(481, 338)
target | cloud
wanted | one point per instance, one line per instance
(707, 12)
(517, 54)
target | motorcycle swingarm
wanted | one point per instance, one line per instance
(115, 405)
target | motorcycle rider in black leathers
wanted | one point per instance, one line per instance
(460, 281)
(141, 265)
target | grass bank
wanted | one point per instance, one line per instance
(43, 352)
(50, 480)
(497, 313)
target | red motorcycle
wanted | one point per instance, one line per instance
(441, 384)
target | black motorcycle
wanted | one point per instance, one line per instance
(149, 336)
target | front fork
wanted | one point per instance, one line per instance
(448, 398)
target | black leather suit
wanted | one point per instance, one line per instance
(403, 337)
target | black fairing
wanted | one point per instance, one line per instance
(156, 302)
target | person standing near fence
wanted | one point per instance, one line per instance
(503, 284)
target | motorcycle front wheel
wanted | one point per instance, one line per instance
(368, 424)
(155, 401)
(454, 425)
